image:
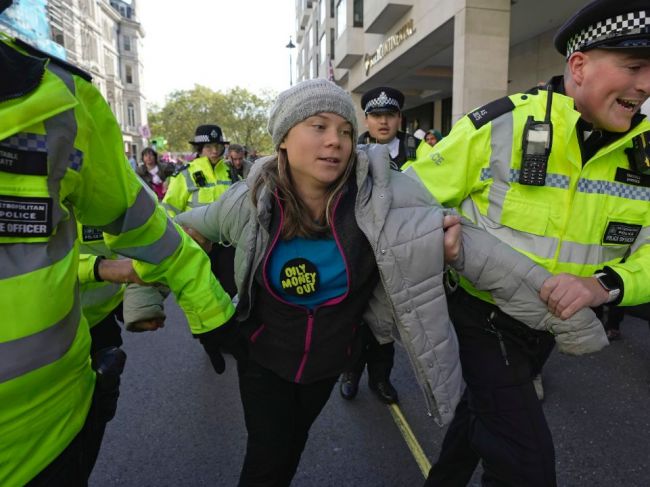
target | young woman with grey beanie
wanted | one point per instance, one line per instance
(329, 238)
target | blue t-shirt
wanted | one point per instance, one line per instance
(307, 272)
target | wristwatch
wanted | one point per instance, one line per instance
(609, 284)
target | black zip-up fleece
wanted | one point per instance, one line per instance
(305, 346)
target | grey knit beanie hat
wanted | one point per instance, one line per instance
(306, 99)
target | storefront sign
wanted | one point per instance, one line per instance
(406, 31)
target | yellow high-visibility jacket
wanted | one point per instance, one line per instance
(583, 219)
(61, 155)
(198, 184)
(98, 298)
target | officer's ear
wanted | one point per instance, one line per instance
(576, 66)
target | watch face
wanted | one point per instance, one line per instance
(610, 285)
(607, 282)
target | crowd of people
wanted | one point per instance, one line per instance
(480, 251)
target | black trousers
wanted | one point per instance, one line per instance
(278, 415)
(222, 260)
(379, 358)
(499, 420)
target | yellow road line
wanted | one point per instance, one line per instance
(411, 440)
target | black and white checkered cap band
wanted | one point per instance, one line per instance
(626, 24)
(382, 101)
(206, 139)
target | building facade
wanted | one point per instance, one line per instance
(447, 56)
(104, 38)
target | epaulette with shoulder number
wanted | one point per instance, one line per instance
(489, 112)
(179, 170)
(53, 59)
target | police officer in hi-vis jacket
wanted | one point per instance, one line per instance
(560, 173)
(62, 159)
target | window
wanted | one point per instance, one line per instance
(88, 46)
(332, 43)
(357, 13)
(322, 44)
(109, 63)
(130, 114)
(129, 74)
(332, 8)
(341, 17)
(57, 36)
(322, 11)
(127, 43)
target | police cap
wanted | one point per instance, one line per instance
(623, 24)
(382, 99)
(208, 134)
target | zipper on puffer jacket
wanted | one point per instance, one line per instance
(429, 398)
(310, 313)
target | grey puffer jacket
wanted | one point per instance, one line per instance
(403, 225)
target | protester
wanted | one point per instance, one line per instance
(432, 137)
(63, 155)
(238, 165)
(153, 172)
(558, 174)
(328, 237)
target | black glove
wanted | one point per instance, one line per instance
(227, 338)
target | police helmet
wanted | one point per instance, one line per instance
(208, 134)
(607, 24)
(382, 99)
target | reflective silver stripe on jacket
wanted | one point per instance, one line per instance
(98, 295)
(157, 251)
(642, 238)
(135, 215)
(500, 153)
(167, 206)
(544, 247)
(189, 182)
(23, 258)
(194, 201)
(23, 355)
(590, 254)
(193, 189)
(61, 132)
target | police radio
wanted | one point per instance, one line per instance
(536, 147)
(639, 154)
(199, 178)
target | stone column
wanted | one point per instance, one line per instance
(481, 50)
